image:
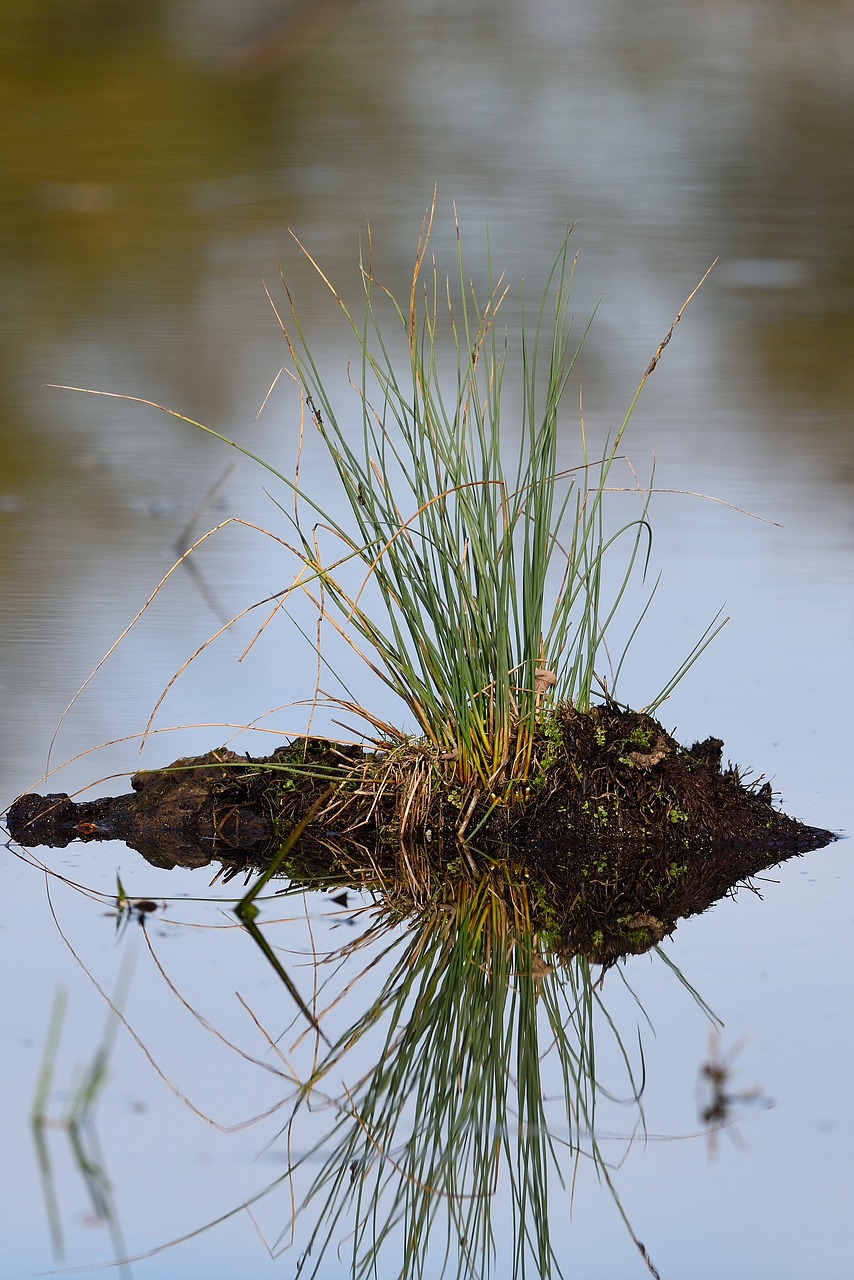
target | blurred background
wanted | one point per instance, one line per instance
(153, 158)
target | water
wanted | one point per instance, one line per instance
(147, 189)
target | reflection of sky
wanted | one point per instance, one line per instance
(673, 135)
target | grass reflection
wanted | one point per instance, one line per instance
(453, 1087)
(78, 1123)
(456, 1132)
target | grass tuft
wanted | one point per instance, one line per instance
(485, 562)
(484, 593)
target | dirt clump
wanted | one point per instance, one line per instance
(616, 833)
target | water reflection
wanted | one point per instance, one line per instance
(719, 1102)
(443, 1126)
(477, 1029)
(78, 1124)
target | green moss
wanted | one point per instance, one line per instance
(640, 737)
(598, 867)
(548, 921)
(552, 731)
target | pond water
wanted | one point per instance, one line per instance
(149, 181)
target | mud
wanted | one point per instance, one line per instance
(619, 833)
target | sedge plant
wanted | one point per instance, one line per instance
(486, 560)
(484, 593)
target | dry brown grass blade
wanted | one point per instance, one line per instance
(420, 254)
(129, 627)
(655, 359)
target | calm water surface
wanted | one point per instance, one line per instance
(151, 169)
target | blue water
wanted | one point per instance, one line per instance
(147, 199)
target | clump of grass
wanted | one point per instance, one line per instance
(483, 598)
(488, 562)
(458, 542)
